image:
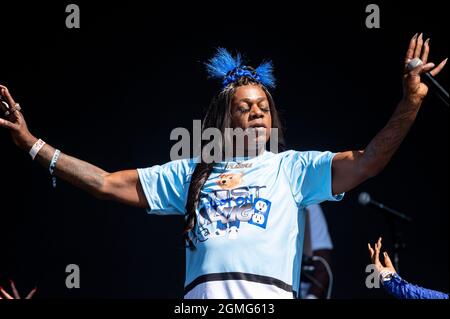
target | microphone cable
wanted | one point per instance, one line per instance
(330, 273)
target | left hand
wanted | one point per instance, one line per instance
(15, 293)
(414, 89)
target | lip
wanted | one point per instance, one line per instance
(255, 125)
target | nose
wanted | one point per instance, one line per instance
(256, 112)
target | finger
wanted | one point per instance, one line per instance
(371, 251)
(427, 67)
(378, 244)
(19, 119)
(387, 260)
(9, 125)
(421, 68)
(376, 256)
(5, 294)
(426, 51)
(14, 290)
(438, 68)
(410, 52)
(14, 115)
(31, 294)
(8, 96)
(419, 44)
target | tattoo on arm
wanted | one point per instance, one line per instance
(380, 150)
(77, 172)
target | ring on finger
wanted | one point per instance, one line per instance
(12, 110)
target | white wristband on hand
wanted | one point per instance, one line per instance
(36, 148)
(386, 275)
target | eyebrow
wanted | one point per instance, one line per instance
(247, 100)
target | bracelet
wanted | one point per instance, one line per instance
(386, 275)
(53, 166)
(36, 148)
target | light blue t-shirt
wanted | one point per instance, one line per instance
(249, 226)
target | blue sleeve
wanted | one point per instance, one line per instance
(166, 186)
(310, 177)
(402, 289)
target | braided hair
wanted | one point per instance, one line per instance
(218, 115)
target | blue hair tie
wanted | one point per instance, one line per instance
(230, 70)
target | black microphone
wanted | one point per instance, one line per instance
(364, 199)
(430, 81)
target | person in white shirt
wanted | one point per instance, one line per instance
(317, 249)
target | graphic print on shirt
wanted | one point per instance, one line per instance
(222, 211)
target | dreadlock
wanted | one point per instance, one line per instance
(218, 115)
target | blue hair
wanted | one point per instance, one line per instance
(230, 69)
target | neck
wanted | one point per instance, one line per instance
(249, 152)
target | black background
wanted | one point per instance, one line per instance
(111, 92)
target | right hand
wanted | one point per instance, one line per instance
(375, 257)
(15, 293)
(16, 124)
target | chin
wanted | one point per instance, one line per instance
(256, 144)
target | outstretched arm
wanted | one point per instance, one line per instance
(394, 284)
(122, 186)
(353, 167)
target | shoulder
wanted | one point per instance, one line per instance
(303, 157)
(186, 164)
(180, 168)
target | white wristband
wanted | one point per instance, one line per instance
(36, 148)
(386, 275)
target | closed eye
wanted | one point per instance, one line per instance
(244, 109)
(264, 108)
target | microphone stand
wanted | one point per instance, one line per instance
(393, 216)
(399, 244)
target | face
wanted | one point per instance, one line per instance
(229, 181)
(250, 110)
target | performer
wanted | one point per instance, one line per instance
(241, 215)
(394, 284)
